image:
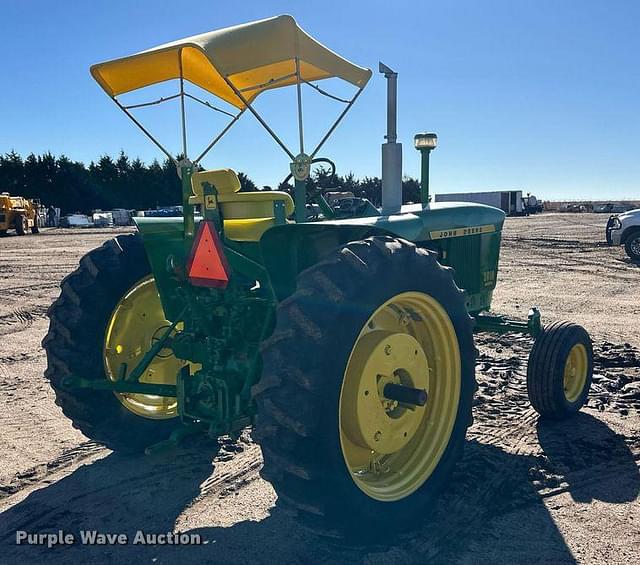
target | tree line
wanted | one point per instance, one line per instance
(129, 183)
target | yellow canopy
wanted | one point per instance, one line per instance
(254, 57)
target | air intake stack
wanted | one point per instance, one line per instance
(391, 151)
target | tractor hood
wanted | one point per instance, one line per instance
(415, 223)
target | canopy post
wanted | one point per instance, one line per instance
(299, 89)
(182, 110)
(219, 136)
(338, 120)
(258, 117)
(145, 131)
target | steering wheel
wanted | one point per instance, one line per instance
(314, 193)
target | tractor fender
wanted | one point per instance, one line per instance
(290, 249)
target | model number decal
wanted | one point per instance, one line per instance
(460, 232)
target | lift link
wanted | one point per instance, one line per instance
(131, 383)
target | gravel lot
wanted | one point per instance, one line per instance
(525, 492)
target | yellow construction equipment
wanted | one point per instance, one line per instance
(18, 213)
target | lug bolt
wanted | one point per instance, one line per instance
(387, 350)
(377, 436)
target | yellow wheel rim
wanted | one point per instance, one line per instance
(390, 450)
(575, 372)
(136, 322)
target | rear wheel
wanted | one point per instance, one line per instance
(632, 246)
(109, 313)
(560, 369)
(348, 441)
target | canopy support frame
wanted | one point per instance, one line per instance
(337, 122)
(182, 109)
(258, 117)
(219, 136)
(264, 124)
(182, 94)
(299, 92)
(145, 131)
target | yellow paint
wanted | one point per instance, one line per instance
(256, 56)
(247, 215)
(136, 322)
(575, 372)
(389, 449)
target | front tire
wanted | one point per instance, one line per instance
(372, 305)
(632, 246)
(560, 370)
(81, 321)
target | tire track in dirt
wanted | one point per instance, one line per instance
(28, 289)
(235, 465)
(21, 319)
(39, 474)
(505, 443)
(574, 263)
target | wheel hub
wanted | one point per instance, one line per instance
(379, 423)
(575, 372)
(136, 323)
(399, 397)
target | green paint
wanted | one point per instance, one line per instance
(424, 177)
(222, 329)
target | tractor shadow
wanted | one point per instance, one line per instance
(493, 510)
(117, 493)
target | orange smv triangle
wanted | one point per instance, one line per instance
(207, 264)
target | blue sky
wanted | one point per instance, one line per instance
(539, 95)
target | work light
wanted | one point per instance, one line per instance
(425, 141)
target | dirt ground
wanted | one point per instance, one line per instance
(524, 492)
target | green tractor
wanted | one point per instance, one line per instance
(346, 343)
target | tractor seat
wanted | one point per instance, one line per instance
(247, 215)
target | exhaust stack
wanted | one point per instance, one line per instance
(391, 151)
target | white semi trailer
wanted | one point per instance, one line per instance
(509, 201)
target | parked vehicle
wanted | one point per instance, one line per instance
(18, 213)
(509, 201)
(531, 204)
(624, 229)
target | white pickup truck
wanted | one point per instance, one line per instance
(624, 229)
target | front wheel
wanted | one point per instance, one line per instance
(560, 369)
(632, 246)
(366, 391)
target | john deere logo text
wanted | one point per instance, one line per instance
(461, 232)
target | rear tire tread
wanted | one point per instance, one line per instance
(290, 389)
(73, 345)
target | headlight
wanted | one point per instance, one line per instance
(615, 224)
